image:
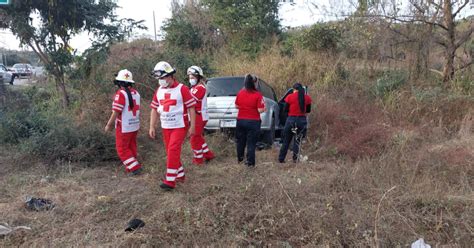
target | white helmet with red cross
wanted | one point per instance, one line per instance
(125, 76)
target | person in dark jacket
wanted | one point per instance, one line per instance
(298, 105)
(250, 104)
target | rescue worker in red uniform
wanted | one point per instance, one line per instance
(199, 146)
(126, 118)
(172, 102)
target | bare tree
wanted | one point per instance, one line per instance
(425, 22)
(441, 19)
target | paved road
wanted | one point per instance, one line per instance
(39, 71)
(23, 82)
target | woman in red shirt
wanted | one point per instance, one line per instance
(298, 104)
(250, 104)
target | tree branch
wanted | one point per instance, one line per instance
(435, 4)
(441, 42)
(411, 21)
(464, 66)
(460, 8)
(423, 10)
(41, 50)
(417, 7)
(464, 37)
(38, 51)
(433, 19)
(399, 33)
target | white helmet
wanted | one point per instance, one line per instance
(125, 76)
(163, 69)
(195, 71)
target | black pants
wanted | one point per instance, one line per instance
(295, 126)
(246, 134)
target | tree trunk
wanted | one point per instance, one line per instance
(61, 86)
(448, 70)
(422, 57)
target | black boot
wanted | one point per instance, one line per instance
(166, 187)
(137, 172)
(134, 225)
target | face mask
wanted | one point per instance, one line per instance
(193, 81)
(163, 82)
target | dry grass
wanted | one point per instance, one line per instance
(317, 203)
(312, 69)
(410, 175)
(350, 127)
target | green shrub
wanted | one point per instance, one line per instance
(321, 37)
(427, 94)
(65, 140)
(49, 133)
(464, 83)
(13, 127)
(388, 82)
(140, 57)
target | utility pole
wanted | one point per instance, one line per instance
(154, 23)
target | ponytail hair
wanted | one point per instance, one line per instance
(202, 79)
(301, 93)
(125, 85)
(249, 82)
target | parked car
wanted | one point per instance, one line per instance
(221, 95)
(22, 70)
(6, 76)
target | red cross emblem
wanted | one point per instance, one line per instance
(135, 108)
(126, 75)
(167, 102)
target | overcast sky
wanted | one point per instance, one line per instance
(298, 13)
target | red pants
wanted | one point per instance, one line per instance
(198, 143)
(126, 145)
(174, 139)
